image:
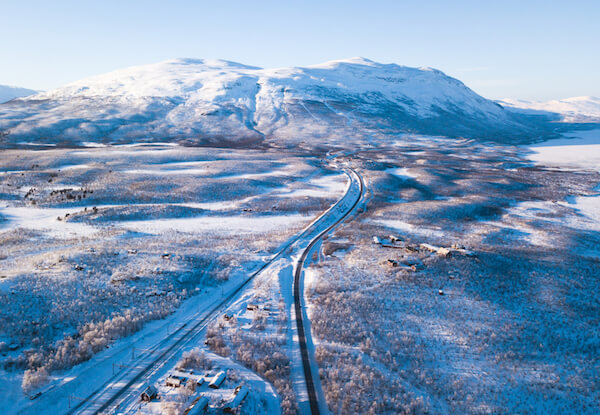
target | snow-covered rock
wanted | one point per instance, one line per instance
(576, 109)
(11, 92)
(207, 101)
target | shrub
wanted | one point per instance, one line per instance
(34, 378)
(194, 359)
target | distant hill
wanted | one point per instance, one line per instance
(576, 109)
(10, 92)
(201, 102)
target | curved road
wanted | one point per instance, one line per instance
(298, 285)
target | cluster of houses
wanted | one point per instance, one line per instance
(413, 263)
(201, 404)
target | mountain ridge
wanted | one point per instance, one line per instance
(583, 109)
(205, 102)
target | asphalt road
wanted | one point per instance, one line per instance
(304, 352)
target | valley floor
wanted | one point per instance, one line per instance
(97, 243)
(469, 285)
(465, 282)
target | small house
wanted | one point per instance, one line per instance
(200, 407)
(174, 381)
(149, 394)
(237, 397)
(445, 252)
(414, 263)
(217, 380)
(252, 307)
(440, 250)
(428, 247)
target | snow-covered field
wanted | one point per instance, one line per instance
(578, 151)
(416, 324)
(97, 243)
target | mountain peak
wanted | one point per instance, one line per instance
(204, 101)
(211, 63)
(354, 61)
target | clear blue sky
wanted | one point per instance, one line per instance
(519, 49)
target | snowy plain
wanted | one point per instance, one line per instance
(577, 151)
(102, 214)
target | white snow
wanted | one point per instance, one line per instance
(167, 172)
(227, 224)
(402, 173)
(580, 150)
(325, 186)
(589, 207)
(409, 228)
(68, 167)
(44, 219)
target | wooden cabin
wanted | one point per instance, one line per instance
(174, 381)
(149, 394)
(236, 399)
(200, 407)
(217, 380)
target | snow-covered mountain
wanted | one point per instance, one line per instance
(206, 101)
(10, 92)
(576, 109)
